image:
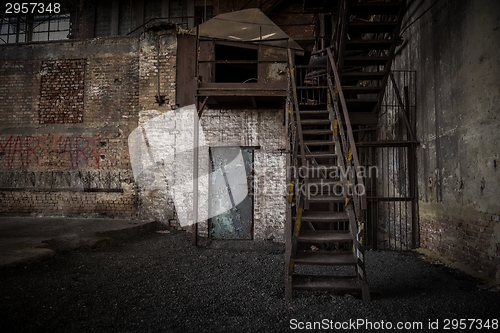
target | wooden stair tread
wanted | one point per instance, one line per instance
(311, 216)
(325, 258)
(325, 282)
(324, 236)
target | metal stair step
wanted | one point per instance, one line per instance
(371, 27)
(319, 155)
(363, 75)
(319, 143)
(324, 282)
(308, 112)
(324, 236)
(360, 104)
(317, 132)
(312, 216)
(326, 198)
(375, 8)
(366, 44)
(316, 122)
(325, 182)
(357, 90)
(365, 61)
(325, 258)
(363, 118)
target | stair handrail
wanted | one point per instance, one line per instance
(341, 32)
(298, 124)
(350, 143)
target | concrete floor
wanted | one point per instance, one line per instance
(28, 239)
(160, 282)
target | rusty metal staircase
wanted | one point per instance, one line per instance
(341, 90)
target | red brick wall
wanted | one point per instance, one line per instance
(467, 241)
(66, 110)
(19, 92)
(61, 92)
(294, 22)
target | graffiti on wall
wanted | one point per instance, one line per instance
(60, 150)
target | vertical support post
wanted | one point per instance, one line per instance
(374, 203)
(196, 152)
(415, 233)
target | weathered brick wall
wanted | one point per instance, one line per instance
(156, 203)
(453, 48)
(19, 91)
(66, 112)
(262, 129)
(162, 150)
(294, 21)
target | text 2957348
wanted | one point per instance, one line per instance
(32, 8)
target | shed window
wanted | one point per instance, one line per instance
(235, 64)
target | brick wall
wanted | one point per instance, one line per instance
(73, 158)
(262, 129)
(294, 22)
(458, 129)
(163, 150)
(61, 91)
(66, 111)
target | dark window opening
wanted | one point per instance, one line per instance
(152, 9)
(235, 64)
(178, 12)
(103, 19)
(202, 14)
(127, 20)
(203, 11)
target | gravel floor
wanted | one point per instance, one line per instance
(161, 283)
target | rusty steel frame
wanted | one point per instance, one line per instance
(403, 148)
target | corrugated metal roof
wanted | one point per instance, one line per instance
(248, 25)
